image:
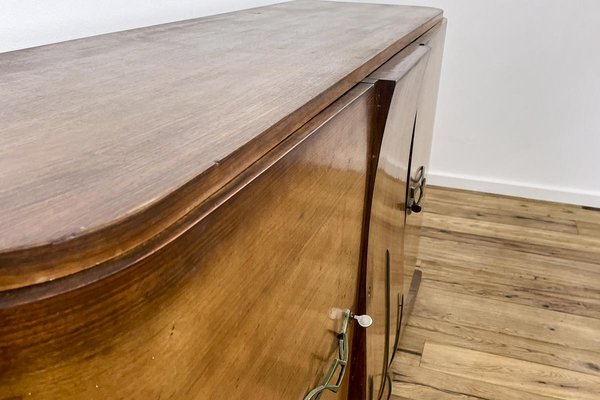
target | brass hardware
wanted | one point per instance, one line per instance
(341, 360)
(417, 192)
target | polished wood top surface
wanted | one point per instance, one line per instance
(97, 132)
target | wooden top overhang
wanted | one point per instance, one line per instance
(107, 141)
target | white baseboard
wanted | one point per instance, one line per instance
(538, 192)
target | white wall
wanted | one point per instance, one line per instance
(29, 23)
(519, 105)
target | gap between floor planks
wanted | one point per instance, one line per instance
(510, 303)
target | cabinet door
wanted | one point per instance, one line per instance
(421, 149)
(398, 85)
(235, 306)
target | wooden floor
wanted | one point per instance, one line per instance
(510, 303)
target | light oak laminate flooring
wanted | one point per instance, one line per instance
(509, 307)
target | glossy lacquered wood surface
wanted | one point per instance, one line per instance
(236, 307)
(398, 83)
(421, 142)
(105, 142)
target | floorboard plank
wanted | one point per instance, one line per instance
(507, 232)
(508, 318)
(491, 254)
(512, 217)
(508, 372)
(465, 198)
(539, 293)
(421, 329)
(420, 383)
(509, 306)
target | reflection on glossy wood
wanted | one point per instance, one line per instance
(421, 142)
(400, 78)
(234, 308)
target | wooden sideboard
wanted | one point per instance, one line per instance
(202, 209)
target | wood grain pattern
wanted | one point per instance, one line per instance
(235, 307)
(143, 126)
(493, 342)
(539, 238)
(407, 87)
(552, 291)
(398, 84)
(509, 304)
(420, 383)
(509, 318)
(421, 145)
(518, 218)
(522, 375)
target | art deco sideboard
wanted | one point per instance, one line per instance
(220, 208)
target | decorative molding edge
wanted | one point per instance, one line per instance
(511, 188)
